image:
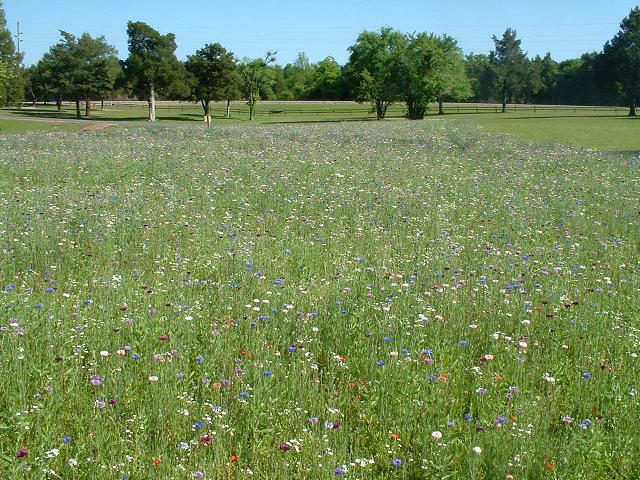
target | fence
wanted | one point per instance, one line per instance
(348, 109)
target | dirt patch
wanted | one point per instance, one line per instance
(96, 126)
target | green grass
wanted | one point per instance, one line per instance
(173, 297)
(601, 128)
(23, 126)
(605, 131)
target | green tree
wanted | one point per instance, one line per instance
(451, 81)
(510, 64)
(212, 68)
(482, 77)
(298, 77)
(624, 51)
(327, 82)
(231, 90)
(255, 76)
(420, 55)
(374, 65)
(11, 81)
(82, 68)
(152, 67)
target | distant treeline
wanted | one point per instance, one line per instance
(384, 67)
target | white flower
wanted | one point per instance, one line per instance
(104, 353)
(153, 378)
(54, 452)
(436, 435)
(477, 450)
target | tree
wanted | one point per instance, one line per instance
(152, 66)
(510, 64)
(298, 77)
(231, 90)
(419, 57)
(624, 50)
(82, 68)
(254, 73)
(327, 81)
(482, 77)
(11, 81)
(373, 64)
(212, 68)
(451, 81)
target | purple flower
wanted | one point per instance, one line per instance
(67, 440)
(96, 380)
(340, 471)
(397, 462)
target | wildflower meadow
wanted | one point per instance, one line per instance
(363, 300)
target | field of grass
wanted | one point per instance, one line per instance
(601, 128)
(23, 126)
(370, 300)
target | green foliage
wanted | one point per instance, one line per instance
(213, 68)
(81, 68)
(255, 79)
(624, 53)
(510, 66)
(152, 67)
(11, 79)
(375, 61)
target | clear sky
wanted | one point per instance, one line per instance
(566, 28)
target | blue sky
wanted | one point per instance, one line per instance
(248, 28)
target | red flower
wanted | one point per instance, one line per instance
(23, 452)
(205, 439)
(285, 447)
(157, 461)
(233, 458)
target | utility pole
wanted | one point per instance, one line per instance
(18, 39)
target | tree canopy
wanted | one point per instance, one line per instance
(152, 66)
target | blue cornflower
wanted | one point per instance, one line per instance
(397, 462)
(67, 440)
(340, 471)
(292, 348)
(587, 375)
(268, 373)
(200, 359)
(380, 363)
(387, 339)
(463, 342)
(244, 395)
(198, 424)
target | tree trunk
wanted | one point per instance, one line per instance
(87, 107)
(78, 115)
(416, 110)
(441, 106)
(205, 106)
(228, 114)
(505, 97)
(632, 109)
(59, 102)
(102, 104)
(380, 110)
(152, 103)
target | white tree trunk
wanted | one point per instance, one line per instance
(152, 103)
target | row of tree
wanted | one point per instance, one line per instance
(384, 67)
